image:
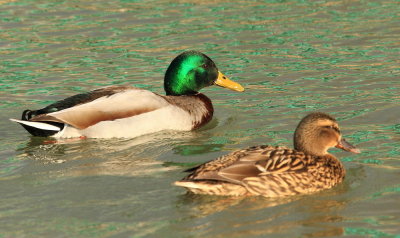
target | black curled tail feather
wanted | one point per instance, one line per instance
(26, 115)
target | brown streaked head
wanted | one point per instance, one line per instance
(317, 132)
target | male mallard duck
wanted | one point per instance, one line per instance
(124, 111)
(277, 171)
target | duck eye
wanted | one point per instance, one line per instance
(333, 127)
(204, 66)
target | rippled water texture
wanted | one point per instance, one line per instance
(293, 57)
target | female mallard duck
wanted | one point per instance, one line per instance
(124, 111)
(277, 171)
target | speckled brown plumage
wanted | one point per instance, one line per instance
(272, 171)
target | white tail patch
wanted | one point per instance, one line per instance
(39, 125)
(188, 184)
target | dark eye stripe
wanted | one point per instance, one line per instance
(334, 128)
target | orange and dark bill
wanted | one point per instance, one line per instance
(223, 81)
(344, 145)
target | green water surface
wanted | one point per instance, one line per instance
(293, 57)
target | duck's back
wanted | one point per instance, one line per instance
(118, 111)
(265, 170)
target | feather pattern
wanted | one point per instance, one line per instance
(278, 171)
(126, 103)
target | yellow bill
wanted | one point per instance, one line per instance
(223, 81)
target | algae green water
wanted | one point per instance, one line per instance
(293, 57)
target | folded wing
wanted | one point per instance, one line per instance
(252, 162)
(116, 104)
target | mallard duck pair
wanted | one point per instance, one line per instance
(124, 111)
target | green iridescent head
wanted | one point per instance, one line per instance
(191, 71)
